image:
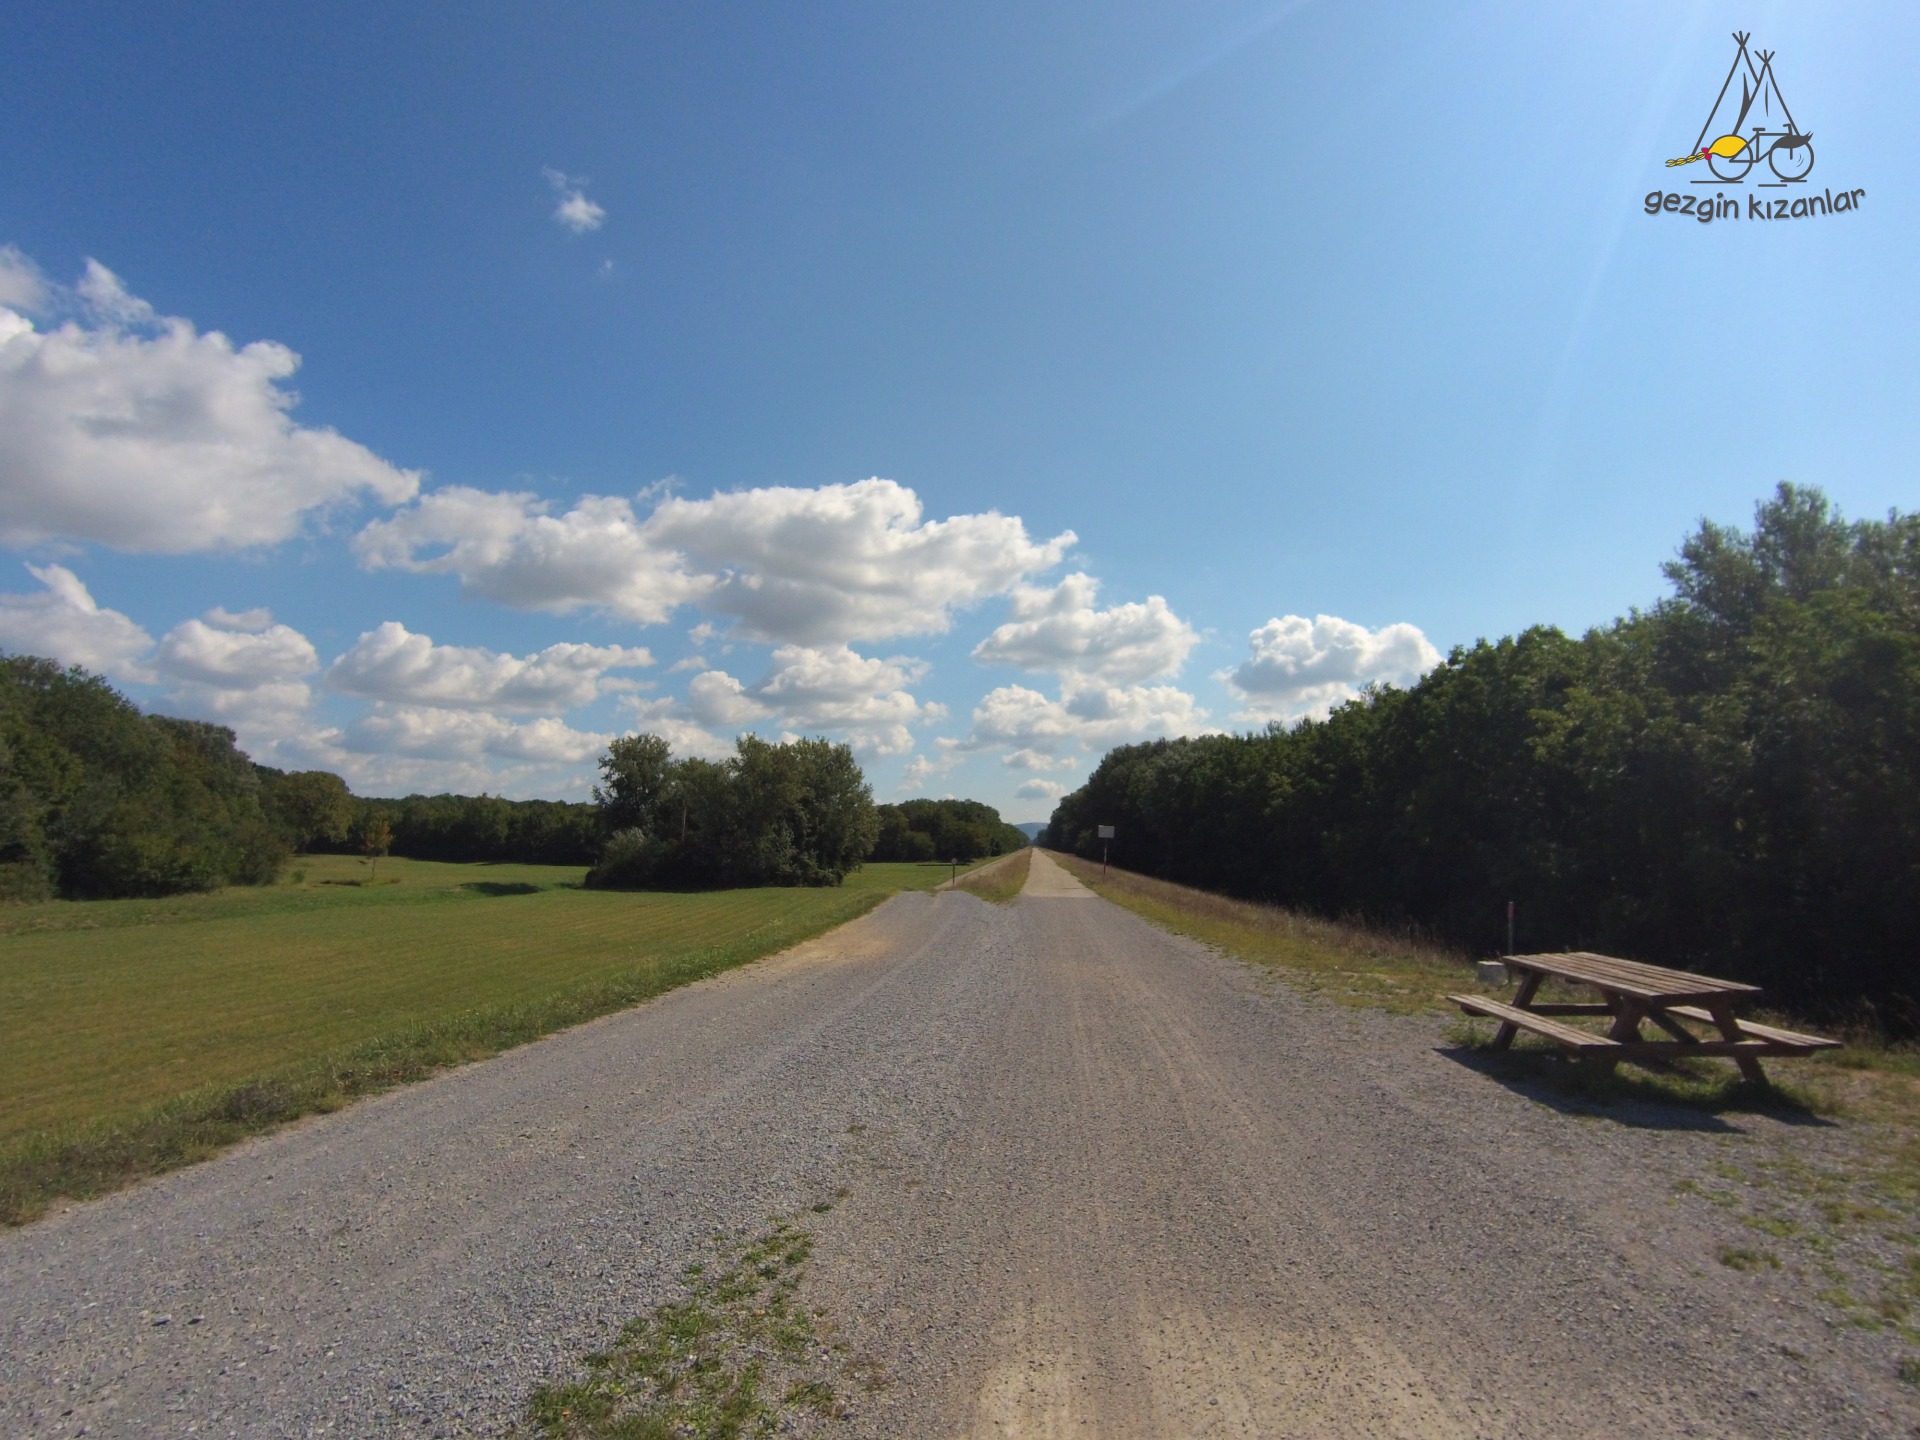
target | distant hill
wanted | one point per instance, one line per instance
(1032, 828)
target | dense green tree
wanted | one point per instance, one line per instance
(312, 808)
(799, 813)
(1729, 781)
(943, 830)
(97, 799)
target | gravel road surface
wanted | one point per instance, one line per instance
(1099, 1181)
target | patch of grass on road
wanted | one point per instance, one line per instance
(146, 1034)
(1346, 963)
(1000, 880)
(735, 1355)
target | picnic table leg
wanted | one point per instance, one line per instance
(1626, 1020)
(1522, 998)
(1730, 1027)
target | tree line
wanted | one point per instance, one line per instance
(800, 813)
(943, 830)
(99, 800)
(1728, 781)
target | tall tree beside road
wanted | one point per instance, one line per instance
(1727, 782)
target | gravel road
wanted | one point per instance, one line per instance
(1099, 1181)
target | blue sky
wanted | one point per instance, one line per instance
(985, 385)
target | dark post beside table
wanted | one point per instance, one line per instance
(1634, 994)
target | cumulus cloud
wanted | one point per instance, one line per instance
(810, 690)
(920, 769)
(574, 210)
(1062, 629)
(235, 659)
(820, 567)
(1302, 667)
(160, 439)
(716, 699)
(395, 665)
(1093, 716)
(1032, 760)
(431, 732)
(249, 675)
(22, 286)
(673, 722)
(508, 548)
(255, 619)
(1041, 790)
(62, 622)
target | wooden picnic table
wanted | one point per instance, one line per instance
(1634, 994)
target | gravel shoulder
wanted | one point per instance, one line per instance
(1098, 1181)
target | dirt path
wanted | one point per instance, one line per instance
(1100, 1182)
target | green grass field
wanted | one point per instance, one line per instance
(143, 1034)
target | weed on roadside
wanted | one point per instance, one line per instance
(1350, 964)
(1000, 880)
(734, 1356)
(1737, 1257)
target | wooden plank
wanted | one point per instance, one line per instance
(1558, 1009)
(1513, 1015)
(1522, 998)
(1629, 977)
(1763, 1032)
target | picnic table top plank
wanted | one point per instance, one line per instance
(1630, 977)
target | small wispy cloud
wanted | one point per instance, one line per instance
(575, 210)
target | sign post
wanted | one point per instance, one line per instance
(1106, 844)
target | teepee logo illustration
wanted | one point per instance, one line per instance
(1732, 146)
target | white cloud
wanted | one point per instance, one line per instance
(256, 619)
(1062, 629)
(507, 548)
(106, 298)
(833, 689)
(1094, 716)
(252, 679)
(847, 562)
(821, 567)
(1032, 760)
(670, 720)
(715, 698)
(1305, 667)
(919, 770)
(1041, 790)
(22, 286)
(63, 623)
(165, 441)
(430, 732)
(811, 690)
(393, 664)
(200, 654)
(574, 210)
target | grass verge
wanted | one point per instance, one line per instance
(1000, 880)
(735, 1355)
(1346, 963)
(1843, 1220)
(146, 1035)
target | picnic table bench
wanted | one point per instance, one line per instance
(1634, 994)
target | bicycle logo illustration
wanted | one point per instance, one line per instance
(1730, 155)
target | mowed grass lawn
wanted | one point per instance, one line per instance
(145, 1033)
